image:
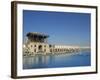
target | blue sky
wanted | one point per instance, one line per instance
(62, 27)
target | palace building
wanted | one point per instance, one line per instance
(37, 43)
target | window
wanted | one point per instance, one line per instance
(50, 50)
(34, 50)
(44, 50)
(55, 50)
(50, 45)
(31, 45)
(34, 45)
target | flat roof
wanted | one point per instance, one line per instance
(32, 34)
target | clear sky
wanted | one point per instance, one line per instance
(62, 27)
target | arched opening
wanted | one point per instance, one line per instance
(40, 48)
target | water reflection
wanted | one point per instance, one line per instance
(61, 60)
(37, 61)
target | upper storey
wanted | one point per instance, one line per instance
(37, 37)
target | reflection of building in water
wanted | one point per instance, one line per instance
(37, 43)
(37, 61)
